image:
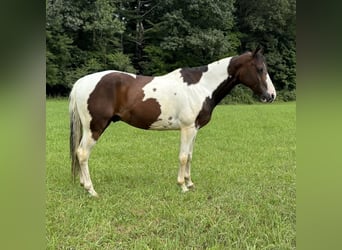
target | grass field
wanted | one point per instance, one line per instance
(243, 167)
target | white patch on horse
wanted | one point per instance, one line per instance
(179, 102)
(270, 87)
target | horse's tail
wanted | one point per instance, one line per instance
(75, 133)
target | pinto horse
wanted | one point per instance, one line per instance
(181, 100)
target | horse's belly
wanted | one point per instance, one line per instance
(173, 118)
(165, 124)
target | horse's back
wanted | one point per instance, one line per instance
(86, 84)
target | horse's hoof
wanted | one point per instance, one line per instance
(184, 189)
(93, 193)
(188, 183)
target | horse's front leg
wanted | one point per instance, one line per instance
(185, 154)
(188, 182)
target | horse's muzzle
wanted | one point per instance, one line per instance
(268, 97)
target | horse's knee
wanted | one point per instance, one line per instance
(183, 159)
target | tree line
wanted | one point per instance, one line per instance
(153, 37)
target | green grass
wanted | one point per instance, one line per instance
(243, 168)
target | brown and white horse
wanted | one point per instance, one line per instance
(181, 100)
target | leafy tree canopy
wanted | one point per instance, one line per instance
(153, 37)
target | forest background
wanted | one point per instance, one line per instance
(154, 37)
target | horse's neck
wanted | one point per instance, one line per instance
(216, 80)
(216, 74)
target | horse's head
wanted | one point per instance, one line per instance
(250, 70)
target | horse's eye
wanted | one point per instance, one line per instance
(260, 70)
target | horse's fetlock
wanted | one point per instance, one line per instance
(87, 186)
(180, 181)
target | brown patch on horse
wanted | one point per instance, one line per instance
(119, 96)
(209, 104)
(236, 64)
(240, 70)
(193, 75)
(204, 115)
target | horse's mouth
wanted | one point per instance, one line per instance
(268, 98)
(263, 99)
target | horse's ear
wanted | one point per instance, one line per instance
(258, 50)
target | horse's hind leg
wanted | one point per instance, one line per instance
(83, 153)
